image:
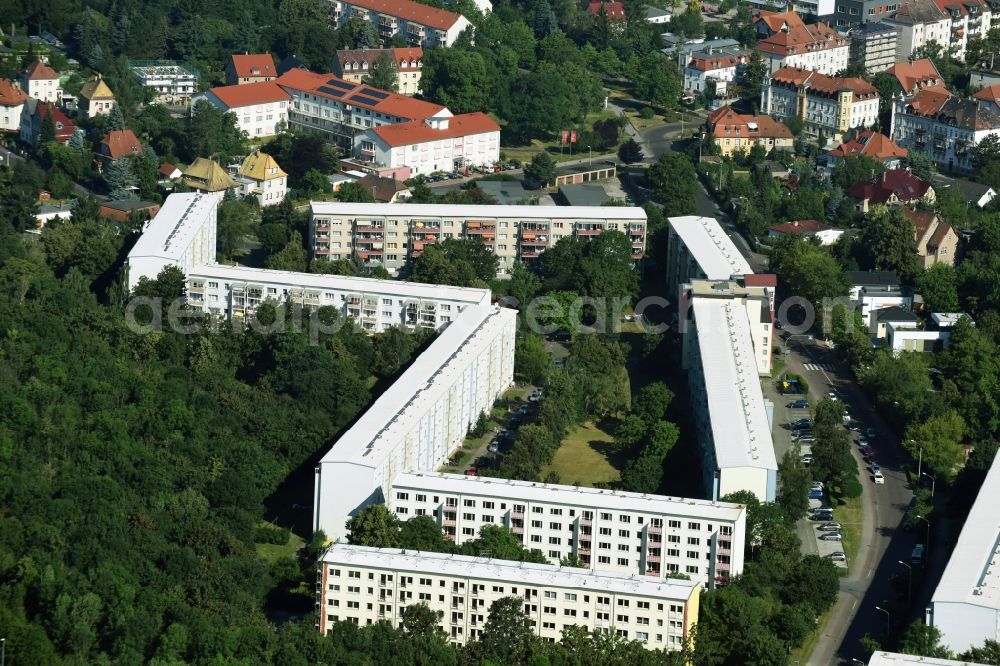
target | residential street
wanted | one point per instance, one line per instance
(882, 543)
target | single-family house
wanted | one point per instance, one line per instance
(12, 100)
(937, 241)
(874, 290)
(206, 176)
(385, 190)
(96, 98)
(891, 187)
(245, 68)
(261, 176)
(117, 144)
(41, 82)
(824, 233)
(871, 144)
(33, 117)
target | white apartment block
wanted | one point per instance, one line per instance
(729, 410)
(390, 235)
(419, 421)
(966, 604)
(173, 82)
(874, 45)
(418, 24)
(364, 585)
(341, 110)
(826, 104)
(948, 24)
(756, 304)
(436, 144)
(946, 127)
(235, 292)
(261, 109)
(698, 248)
(182, 235)
(896, 659)
(632, 533)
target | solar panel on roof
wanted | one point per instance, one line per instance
(377, 94)
(331, 91)
(364, 100)
(337, 83)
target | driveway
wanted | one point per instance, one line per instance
(882, 544)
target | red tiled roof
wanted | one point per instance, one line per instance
(64, 126)
(417, 131)
(11, 94)
(943, 230)
(411, 12)
(38, 70)
(168, 169)
(989, 93)
(797, 37)
(402, 57)
(760, 280)
(775, 20)
(900, 182)
(353, 95)
(120, 143)
(709, 64)
(253, 64)
(738, 126)
(250, 94)
(921, 220)
(870, 144)
(916, 74)
(614, 10)
(800, 227)
(928, 101)
(823, 83)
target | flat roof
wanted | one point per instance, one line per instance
(373, 436)
(591, 194)
(740, 429)
(972, 575)
(895, 659)
(947, 319)
(552, 493)
(523, 573)
(342, 283)
(474, 211)
(714, 251)
(180, 218)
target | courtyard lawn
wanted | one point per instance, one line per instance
(271, 553)
(586, 457)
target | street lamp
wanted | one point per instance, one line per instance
(927, 541)
(792, 337)
(909, 581)
(591, 162)
(888, 620)
(933, 483)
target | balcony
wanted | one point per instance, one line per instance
(530, 254)
(589, 231)
(656, 529)
(369, 228)
(539, 241)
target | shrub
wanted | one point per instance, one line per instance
(852, 488)
(646, 113)
(270, 534)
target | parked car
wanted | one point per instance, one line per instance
(798, 404)
(837, 556)
(807, 459)
(472, 471)
(494, 447)
(872, 433)
(829, 527)
(822, 516)
(832, 395)
(862, 441)
(917, 554)
(907, 525)
(817, 484)
(854, 426)
(830, 536)
(454, 176)
(878, 478)
(806, 439)
(875, 468)
(522, 410)
(801, 422)
(816, 494)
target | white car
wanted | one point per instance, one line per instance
(833, 396)
(878, 478)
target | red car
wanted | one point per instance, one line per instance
(471, 472)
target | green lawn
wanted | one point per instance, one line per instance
(272, 553)
(528, 152)
(849, 516)
(585, 457)
(802, 653)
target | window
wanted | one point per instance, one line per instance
(623, 533)
(550, 595)
(402, 496)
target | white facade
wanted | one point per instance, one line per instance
(913, 36)
(182, 235)
(828, 61)
(948, 130)
(608, 530)
(173, 82)
(261, 117)
(729, 409)
(966, 604)
(44, 90)
(392, 234)
(696, 76)
(235, 292)
(755, 303)
(433, 146)
(894, 659)
(832, 105)
(421, 419)
(364, 585)
(902, 338)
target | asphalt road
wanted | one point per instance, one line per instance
(883, 543)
